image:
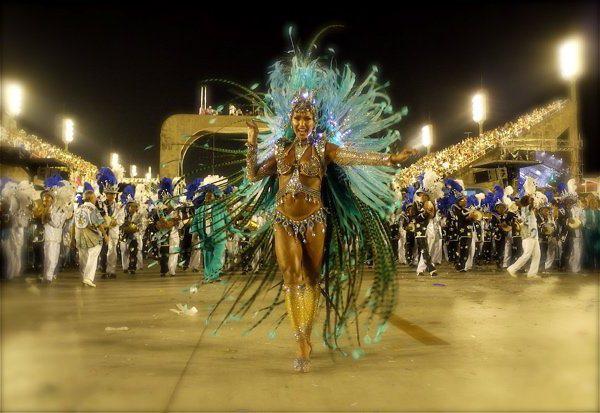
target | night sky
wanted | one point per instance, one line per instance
(120, 70)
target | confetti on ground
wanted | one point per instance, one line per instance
(116, 328)
(439, 285)
(184, 310)
(152, 264)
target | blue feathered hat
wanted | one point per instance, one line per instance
(87, 187)
(107, 181)
(550, 195)
(128, 195)
(165, 188)
(51, 183)
(211, 188)
(192, 188)
(229, 189)
(79, 199)
(472, 201)
(453, 185)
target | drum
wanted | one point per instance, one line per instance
(548, 228)
(574, 223)
(475, 215)
(130, 228)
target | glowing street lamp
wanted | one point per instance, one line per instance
(569, 57)
(14, 99)
(427, 136)
(114, 159)
(68, 132)
(133, 171)
(149, 174)
(479, 102)
(571, 65)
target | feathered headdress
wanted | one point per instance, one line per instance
(65, 193)
(453, 185)
(87, 187)
(192, 188)
(128, 195)
(165, 188)
(107, 181)
(51, 184)
(26, 192)
(432, 185)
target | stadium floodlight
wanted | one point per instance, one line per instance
(427, 136)
(114, 159)
(68, 131)
(479, 103)
(14, 99)
(569, 58)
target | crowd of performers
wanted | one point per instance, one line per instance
(550, 230)
(107, 228)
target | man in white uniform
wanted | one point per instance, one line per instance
(89, 232)
(53, 219)
(530, 241)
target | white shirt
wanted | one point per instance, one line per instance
(53, 229)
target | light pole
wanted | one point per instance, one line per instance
(570, 62)
(133, 171)
(479, 102)
(68, 132)
(149, 174)
(13, 102)
(427, 136)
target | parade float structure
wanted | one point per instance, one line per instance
(182, 132)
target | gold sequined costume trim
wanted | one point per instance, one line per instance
(298, 228)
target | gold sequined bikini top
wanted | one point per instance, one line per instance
(313, 168)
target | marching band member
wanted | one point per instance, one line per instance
(130, 231)
(465, 231)
(530, 243)
(572, 240)
(547, 233)
(425, 210)
(89, 233)
(113, 215)
(53, 218)
(168, 223)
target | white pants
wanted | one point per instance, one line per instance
(576, 255)
(401, 246)
(507, 251)
(421, 266)
(472, 249)
(125, 254)
(173, 253)
(89, 256)
(196, 257)
(531, 249)
(51, 255)
(551, 253)
(13, 250)
(111, 256)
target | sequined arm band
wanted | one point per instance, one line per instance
(350, 157)
(254, 172)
